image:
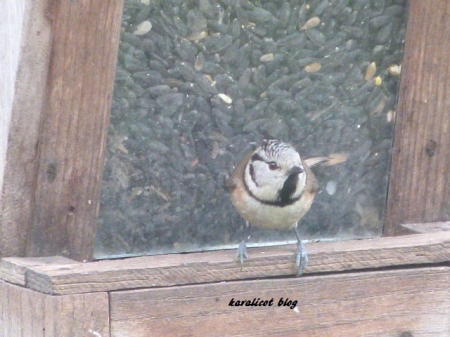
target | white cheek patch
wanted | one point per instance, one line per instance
(301, 184)
(262, 182)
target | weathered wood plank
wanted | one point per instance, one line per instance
(179, 269)
(73, 128)
(26, 313)
(25, 36)
(383, 303)
(13, 269)
(11, 21)
(431, 227)
(420, 180)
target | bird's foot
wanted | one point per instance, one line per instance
(242, 252)
(302, 258)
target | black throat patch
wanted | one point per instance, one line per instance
(284, 195)
(288, 189)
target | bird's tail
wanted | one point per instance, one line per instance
(332, 159)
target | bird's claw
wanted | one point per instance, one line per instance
(302, 258)
(242, 253)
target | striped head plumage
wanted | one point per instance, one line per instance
(275, 174)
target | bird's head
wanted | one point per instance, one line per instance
(275, 174)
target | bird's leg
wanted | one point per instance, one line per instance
(242, 248)
(302, 256)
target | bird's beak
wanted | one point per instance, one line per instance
(296, 170)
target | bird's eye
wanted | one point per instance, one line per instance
(273, 165)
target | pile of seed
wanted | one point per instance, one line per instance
(200, 83)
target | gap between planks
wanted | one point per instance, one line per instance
(407, 302)
(217, 266)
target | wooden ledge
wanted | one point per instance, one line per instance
(70, 277)
(419, 228)
(14, 269)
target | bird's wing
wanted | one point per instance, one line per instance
(238, 174)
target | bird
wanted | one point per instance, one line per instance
(273, 188)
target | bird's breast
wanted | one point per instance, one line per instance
(270, 216)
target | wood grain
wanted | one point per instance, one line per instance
(420, 179)
(11, 21)
(217, 266)
(73, 127)
(431, 227)
(26, 313)
(383, 303)
(24, 24)
(13, 269)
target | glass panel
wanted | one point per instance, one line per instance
(200, 83)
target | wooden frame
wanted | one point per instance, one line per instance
(51, 161)
(419, 178)
(401, 288)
